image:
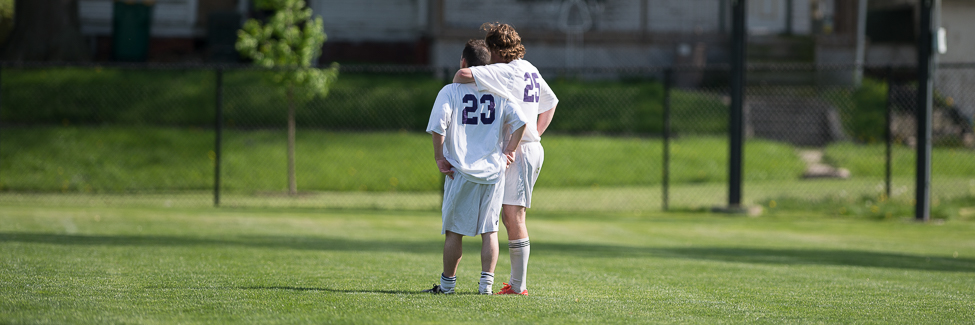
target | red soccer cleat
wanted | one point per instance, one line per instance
(508, 291)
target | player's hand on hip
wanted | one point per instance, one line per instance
(510, 157)
(445, 168)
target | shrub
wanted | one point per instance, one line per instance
(866, 118)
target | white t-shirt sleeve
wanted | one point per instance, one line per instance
(547, 98)
(513, 116)
(441, 112)
(494, 78)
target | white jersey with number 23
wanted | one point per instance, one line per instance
(472, 124)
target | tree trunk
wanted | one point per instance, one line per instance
(46, 30)
(292, 182)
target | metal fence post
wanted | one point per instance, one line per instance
(887, 128)
(218, 126)
(925, 71)
(789, 17)
(735, 127)
(668, 84)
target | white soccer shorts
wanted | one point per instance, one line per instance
(519, 178)
(470, 208)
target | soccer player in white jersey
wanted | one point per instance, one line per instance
(468, 127)
(519, 81)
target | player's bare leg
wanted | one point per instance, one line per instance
(489, 258)
(513, 217)
(453, 250)
(519, 247)
(489, 251)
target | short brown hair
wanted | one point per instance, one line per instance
(504, 40)
(476, 53)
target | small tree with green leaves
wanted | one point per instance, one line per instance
(289, 41)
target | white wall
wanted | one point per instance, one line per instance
(470, 14)
(170, 18)
(669, 16)
(958, 19)
(769, 17)
(554, 56)
(372, 20)
(685, 16)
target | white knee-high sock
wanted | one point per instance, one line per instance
(519, 250)
(447, 284)
(486, 283)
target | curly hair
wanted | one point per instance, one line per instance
(503, 40)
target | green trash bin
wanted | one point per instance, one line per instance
(131, 21)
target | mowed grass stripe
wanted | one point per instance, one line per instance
(153, 265)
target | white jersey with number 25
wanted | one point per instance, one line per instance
(472, 124)
(519, 81)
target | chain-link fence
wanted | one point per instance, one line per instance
(621, 140)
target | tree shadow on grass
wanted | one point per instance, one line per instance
(285, 242)
(391, 292)
(311, 289)
(837, 257)
(773, 256)
(290, 288)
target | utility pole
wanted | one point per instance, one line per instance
(736, 121)
(925, 73)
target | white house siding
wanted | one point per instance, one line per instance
(372, 20)
(470, 14)
(633, 17)
(617, 16)
(170, 18)
(685, 16)
(801, 17)
(766, 16)
(546, 55)
(958, 84)
(612, 15)
(958, 19)
(609, 56)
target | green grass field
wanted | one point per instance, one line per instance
(177, 265)
(117, 159)
(394, 170)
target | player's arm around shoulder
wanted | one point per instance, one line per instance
(494, 78)
(467, 75)
(464, 76)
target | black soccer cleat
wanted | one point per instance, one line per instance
(437, 291)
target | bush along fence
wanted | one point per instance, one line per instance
(622, 139)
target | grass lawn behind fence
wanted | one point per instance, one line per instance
(145, 159)
(145, 265)
(394, 170)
